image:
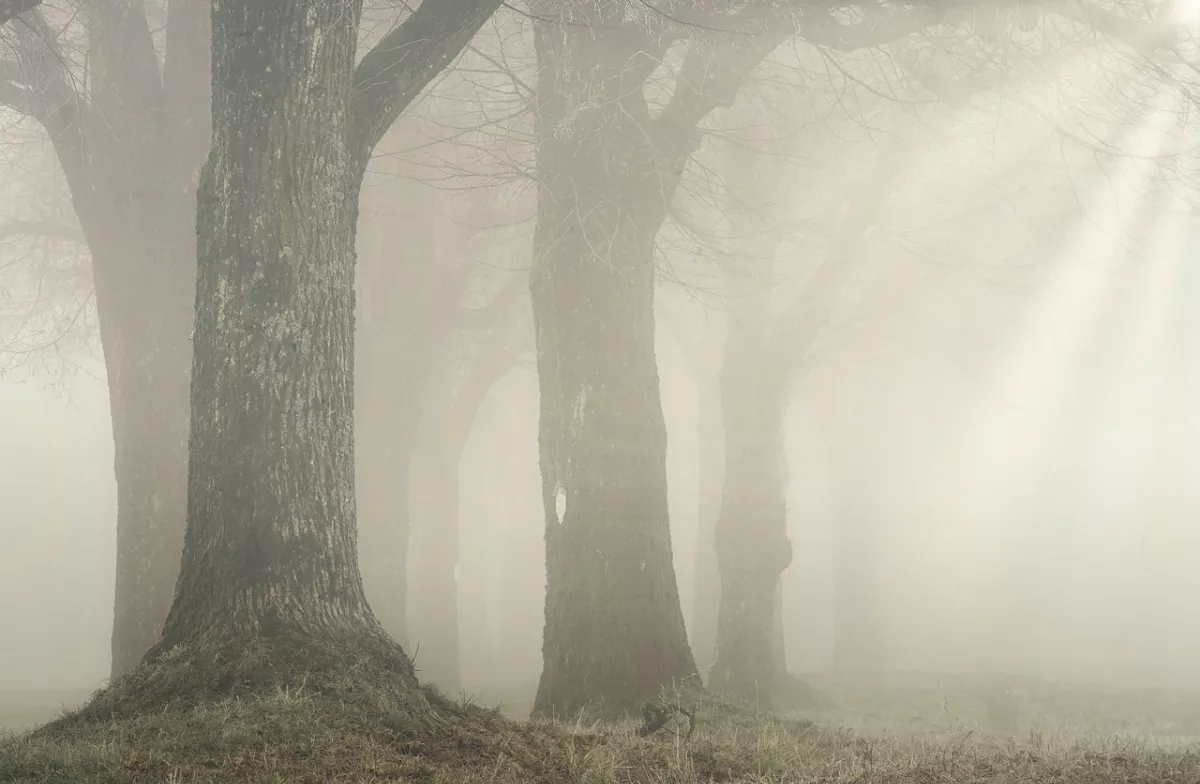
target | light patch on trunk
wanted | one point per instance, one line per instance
(560, 503)
(580, 405)
(456, 572)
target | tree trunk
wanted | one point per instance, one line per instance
(614, 631)
(752, 544)
(130, 160)
(269, 552)
(607, 171)
(144, 332)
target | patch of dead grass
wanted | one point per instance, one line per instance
(299, 736)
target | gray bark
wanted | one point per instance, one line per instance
(614, 632)
(607, 171)
(130, 155)
(761, 360)
(270, 549)
(270, 541)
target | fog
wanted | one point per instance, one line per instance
(993, 437)
(1030, 505)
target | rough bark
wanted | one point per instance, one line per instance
(614, 632)
(130, 153)
(270, 543)
(607, 170)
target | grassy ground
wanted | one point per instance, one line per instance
(897, 728)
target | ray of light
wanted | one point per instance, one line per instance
(998, 454)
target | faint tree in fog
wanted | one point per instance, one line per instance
(412, 314)
(129, 135)
(486, 347)
(609, 161)
(763, 354)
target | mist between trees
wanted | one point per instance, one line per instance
(568, 350)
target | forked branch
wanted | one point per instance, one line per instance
(399, 67)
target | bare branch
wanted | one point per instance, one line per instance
(1138, 36)
(395, 71)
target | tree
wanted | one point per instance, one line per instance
(130, 149)
(608, 167)
(269, 557)
(763, 355)
(471, 364)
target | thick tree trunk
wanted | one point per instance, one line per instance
(614, 632)
(270, 552)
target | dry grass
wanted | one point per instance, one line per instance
(309, 737)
